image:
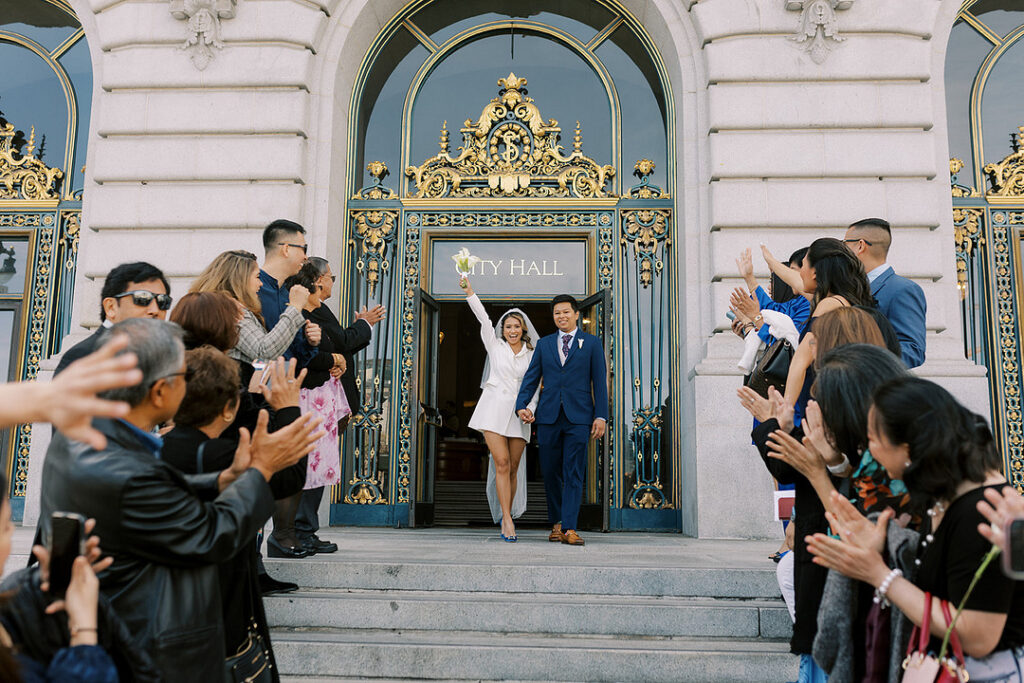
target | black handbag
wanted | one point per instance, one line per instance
(771, 368)
(252, 662)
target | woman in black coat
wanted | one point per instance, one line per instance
(194, 446)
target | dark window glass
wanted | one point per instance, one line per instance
(641, 102)
(1002, 105)
(31, 95)
(580, 18)
(38, 21)
(77, 63)
(563, 86)
(964, 55)
(381, 107)
(8, 341)
(13, 268)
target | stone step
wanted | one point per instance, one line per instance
(447, 655)
(530, 613)
(341, 572)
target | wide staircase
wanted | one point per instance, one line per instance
(463, 605)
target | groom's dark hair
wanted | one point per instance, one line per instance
(565, 299)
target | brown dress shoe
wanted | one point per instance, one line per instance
(570, 537)
(556, 536)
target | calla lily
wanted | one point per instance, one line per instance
(464, 261)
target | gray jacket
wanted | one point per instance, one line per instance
(833, 646)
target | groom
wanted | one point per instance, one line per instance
(573, 409)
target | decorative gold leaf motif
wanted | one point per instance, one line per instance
(22, 175)
(1007, 176)
(509, 151)
(375, 229)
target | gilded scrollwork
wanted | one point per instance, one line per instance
(967, 236)
(22, 175)
(511, 151)
(374, 229)
(378, 170)
(410, 316)
(1007, 176)
(647, 230)
(647, 491)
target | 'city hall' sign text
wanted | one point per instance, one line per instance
(513, 267)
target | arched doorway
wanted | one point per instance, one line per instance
(985, 107)
(516, 186)
(44, 124)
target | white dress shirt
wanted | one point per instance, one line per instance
(875, 272)
(561, 343)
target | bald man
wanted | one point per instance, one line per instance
(901, 300)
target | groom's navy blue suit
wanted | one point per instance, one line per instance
(574, 395)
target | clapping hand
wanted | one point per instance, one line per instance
(802, 457)
(857, 551)
(743, 305)
(756, 405)
(745, 264)
(1001, 508)
(371, 316)
(814, 429)
(781, 410)
(284, 388)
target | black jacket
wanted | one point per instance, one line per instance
(166, 532)
(193, 452)
(79, 350)
(348, 341)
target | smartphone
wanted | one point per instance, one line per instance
(67, 541)
(263, 367)
(730, 315)
(1013, 549)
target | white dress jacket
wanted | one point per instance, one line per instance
(496, 409)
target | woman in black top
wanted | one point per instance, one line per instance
(195, 446)
(946, 457)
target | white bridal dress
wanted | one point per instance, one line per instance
(496, 409)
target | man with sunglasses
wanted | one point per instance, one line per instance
(131, 290)
(901, 300)
(284, 242)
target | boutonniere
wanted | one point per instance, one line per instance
(580, 341)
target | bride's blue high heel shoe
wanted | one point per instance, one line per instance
(508, 539)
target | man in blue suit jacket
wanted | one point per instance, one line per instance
(573, 408)
(901, 300)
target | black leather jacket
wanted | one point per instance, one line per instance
(167, 532)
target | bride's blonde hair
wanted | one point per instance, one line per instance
(522, 323)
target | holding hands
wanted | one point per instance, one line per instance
(526, 415)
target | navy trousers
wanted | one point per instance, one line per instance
(563, 462)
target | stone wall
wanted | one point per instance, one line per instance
(772, 146)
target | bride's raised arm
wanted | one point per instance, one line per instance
(486, 326)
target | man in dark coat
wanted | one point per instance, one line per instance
(349, 341)
(166, 531)
(131, 290)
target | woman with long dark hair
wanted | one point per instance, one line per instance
(946, 456)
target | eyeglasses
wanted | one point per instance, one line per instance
(187, 374)
(334, 278)
(303, 247)
(142, 298)
(858, 239)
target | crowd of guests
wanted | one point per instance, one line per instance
(899, 490)
(177, 441)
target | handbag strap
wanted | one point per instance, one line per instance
(954, 639)
(920, 634)
(199, 457)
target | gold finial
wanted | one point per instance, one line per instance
(31, 147)
(512, 82)
(577, 139)
(444, 138)
(955, 165)
(378, 170)
(644, 167)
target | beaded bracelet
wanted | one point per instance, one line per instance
(881, 591)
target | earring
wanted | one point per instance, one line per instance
(907, 464)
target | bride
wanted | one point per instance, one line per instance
(509, 347)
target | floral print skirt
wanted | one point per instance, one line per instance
(327, 401)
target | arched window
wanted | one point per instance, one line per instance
(985, 109)
(45, 95)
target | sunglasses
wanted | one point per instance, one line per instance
(303, 247)
(858, 239)
(142, 298)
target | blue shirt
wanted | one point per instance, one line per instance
(797, 308)
(151, 442)
(273, 300)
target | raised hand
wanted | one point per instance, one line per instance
(756, 405)
(745, 264)
(464, 283)
(814, 430)
(862, 564)
(313, 333)
(284, 388)
(298, 296)
(800, 456)
(858, 529)
(70, 401)
(743, 304)
(1001, 508)
(272, 452)
(371, 316)
(781, 409)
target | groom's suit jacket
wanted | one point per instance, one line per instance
(903, 303)
(580, 387)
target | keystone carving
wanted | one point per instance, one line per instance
(203, 27)
(819, 25)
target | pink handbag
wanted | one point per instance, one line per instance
(922, 667)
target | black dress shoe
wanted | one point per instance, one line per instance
(275, 549)
(269, 585)
(315, 545)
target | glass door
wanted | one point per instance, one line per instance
(421, 502)
(594, 512)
